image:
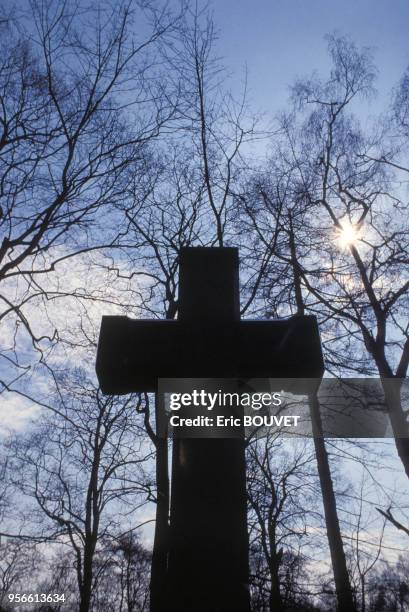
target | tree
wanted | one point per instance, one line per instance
(364, 557)
(388, 588)
(83, 95)
(58, 575)
(123, 582)
(276, 220)
(77, 112)
(19, 567)
(216, 127)
(353, 279)
(279, 482)
(184, 204)
(81, 472)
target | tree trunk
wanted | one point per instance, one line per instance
(85, 593)
(400, 428)
(161, 539)
(363, 602)
(275, 599)
(345, 602)
(129, 594)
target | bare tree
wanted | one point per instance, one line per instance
(123, 582)
(184, 204)
(58, 575)
(388, 588)
(77, 111)
(215, 126)
(280, 481)
(354, 276)
(19, 566)
(277, 221)
(365, 557)
(157, 225)
(80, 472)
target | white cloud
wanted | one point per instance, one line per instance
(70, 301)
(15, 412)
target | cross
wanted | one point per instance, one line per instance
(208, 550)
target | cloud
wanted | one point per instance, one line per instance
(63, 309)
(16, 412)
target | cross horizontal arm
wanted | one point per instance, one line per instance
(134, 354)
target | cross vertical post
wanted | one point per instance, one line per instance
(208, 560)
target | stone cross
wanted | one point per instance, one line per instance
(208, 550)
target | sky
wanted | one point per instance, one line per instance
(279, 40)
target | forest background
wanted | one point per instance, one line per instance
(127, 131)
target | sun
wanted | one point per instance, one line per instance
(347, 235)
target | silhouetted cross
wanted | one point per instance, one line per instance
(208, 550)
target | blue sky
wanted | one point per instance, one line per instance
(279, 40)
